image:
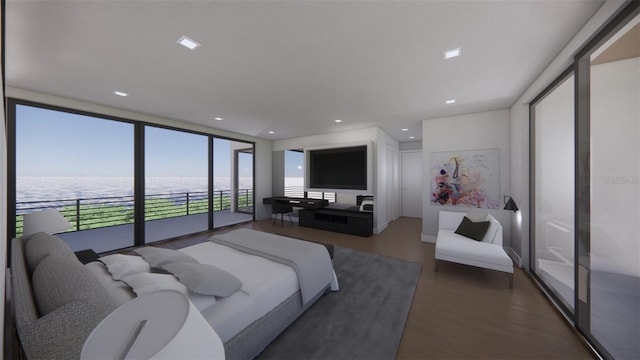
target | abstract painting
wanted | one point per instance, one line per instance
(467, 178)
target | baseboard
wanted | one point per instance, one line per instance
(380, 229)
(515, 257)
(428, 238)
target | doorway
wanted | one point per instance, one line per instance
(411, 163)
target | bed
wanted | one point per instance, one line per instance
(279, 279)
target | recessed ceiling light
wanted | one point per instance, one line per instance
(188, 43)
(271, 132)
(448, 54)
(412, 137)
(452, 101)
(405, 129)
(219, 118)
(337, 120)
(120, 93)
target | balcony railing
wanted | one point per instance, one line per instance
(92, 213)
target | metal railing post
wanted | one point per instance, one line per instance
(187, 203)
(77, 214)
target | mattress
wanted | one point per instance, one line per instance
(265, 284)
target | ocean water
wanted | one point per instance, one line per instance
(39, 188)
(32, 188)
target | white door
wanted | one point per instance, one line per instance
(412, 183)
(392, 183)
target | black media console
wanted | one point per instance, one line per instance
(349, 220)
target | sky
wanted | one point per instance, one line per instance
(54, 143)
(293, 164)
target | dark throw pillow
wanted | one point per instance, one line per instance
(472, 230)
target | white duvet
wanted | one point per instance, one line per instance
(265, 284)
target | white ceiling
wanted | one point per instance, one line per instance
(289, 66)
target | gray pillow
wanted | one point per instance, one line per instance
(472, 230)
(204, 279)
(58, 280)
(41, 245)
(158, 257)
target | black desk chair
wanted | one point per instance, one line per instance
(281, 208)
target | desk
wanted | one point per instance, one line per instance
(347, 220)
(306, 203)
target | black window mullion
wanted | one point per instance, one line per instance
(139, 191)
(210, 184)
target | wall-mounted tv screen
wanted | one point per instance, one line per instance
(338, 168)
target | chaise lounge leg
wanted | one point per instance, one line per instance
(437, 261)
(510, 276)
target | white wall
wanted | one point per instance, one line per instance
(387, 181)
(262, 147)
(382, 174)
(277, 173)
(486, 130)
(520, 126)
(410, 145)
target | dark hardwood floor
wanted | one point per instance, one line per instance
(459, 312)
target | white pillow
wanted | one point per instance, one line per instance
(118, 291)
(121, 266)
(143, 283)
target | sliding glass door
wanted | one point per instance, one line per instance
(585, 182)
(243, 158)
(81, 165)
(123, 183)
(609, 187)
(233, 196)
(176, 186)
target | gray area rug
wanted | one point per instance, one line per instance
(364, 320)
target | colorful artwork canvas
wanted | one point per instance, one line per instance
(468, 178)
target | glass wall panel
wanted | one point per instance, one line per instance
(294, 173)
(294, 178)
(233, 182)
(612, 276)
(244, 180)
(176, 183)
(553, 247)
(80, 165)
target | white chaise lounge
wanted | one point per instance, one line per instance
(487, 253)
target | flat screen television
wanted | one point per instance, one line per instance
(339, 168)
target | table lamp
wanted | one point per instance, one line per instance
(48, 221)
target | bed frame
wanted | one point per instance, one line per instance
(251, 341)
(247, 344)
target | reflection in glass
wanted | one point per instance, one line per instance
(554, 191)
